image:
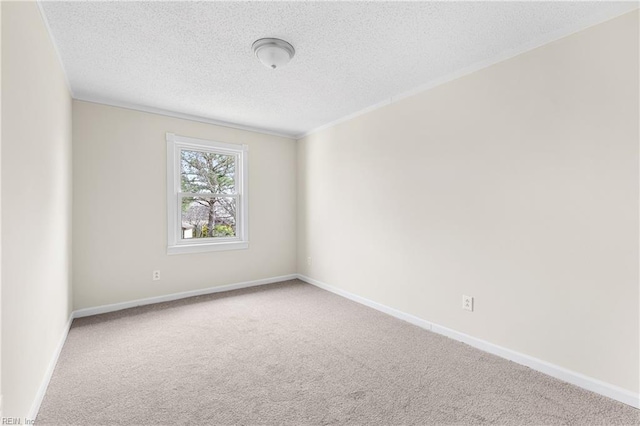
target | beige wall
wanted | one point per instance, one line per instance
(1, 410)
(119, 208)
(36, 207)
(517, 185)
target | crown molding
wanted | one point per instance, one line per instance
(55, 46)
(503, 56)
(174, 114)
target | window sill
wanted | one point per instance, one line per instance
(203, 248)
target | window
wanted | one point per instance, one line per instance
(206, 195)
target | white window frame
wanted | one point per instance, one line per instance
(175, 243)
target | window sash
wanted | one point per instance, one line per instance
(237, 157)
(207, 240)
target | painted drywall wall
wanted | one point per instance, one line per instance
(517, 185)
(36, 208)
(1, 411)
(119, 208)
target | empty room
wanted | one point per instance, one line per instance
(320, 213)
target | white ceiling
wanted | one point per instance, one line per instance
(196, 59)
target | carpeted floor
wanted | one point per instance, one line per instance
(290, 353)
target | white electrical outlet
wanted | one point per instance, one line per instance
(309, 261)
(467, 303)
(156, 275)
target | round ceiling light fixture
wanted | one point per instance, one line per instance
(273, 52)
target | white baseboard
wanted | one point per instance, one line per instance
(35, 406)
(370, 303)
(561, 373)
(175, 296)
(575, 378)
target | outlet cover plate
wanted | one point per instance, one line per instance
(467, 303)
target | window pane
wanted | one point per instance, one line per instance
(202, 172)
(207, 217)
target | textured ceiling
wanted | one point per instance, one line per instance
(196, 58)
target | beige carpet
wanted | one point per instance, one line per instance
(290, 353)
